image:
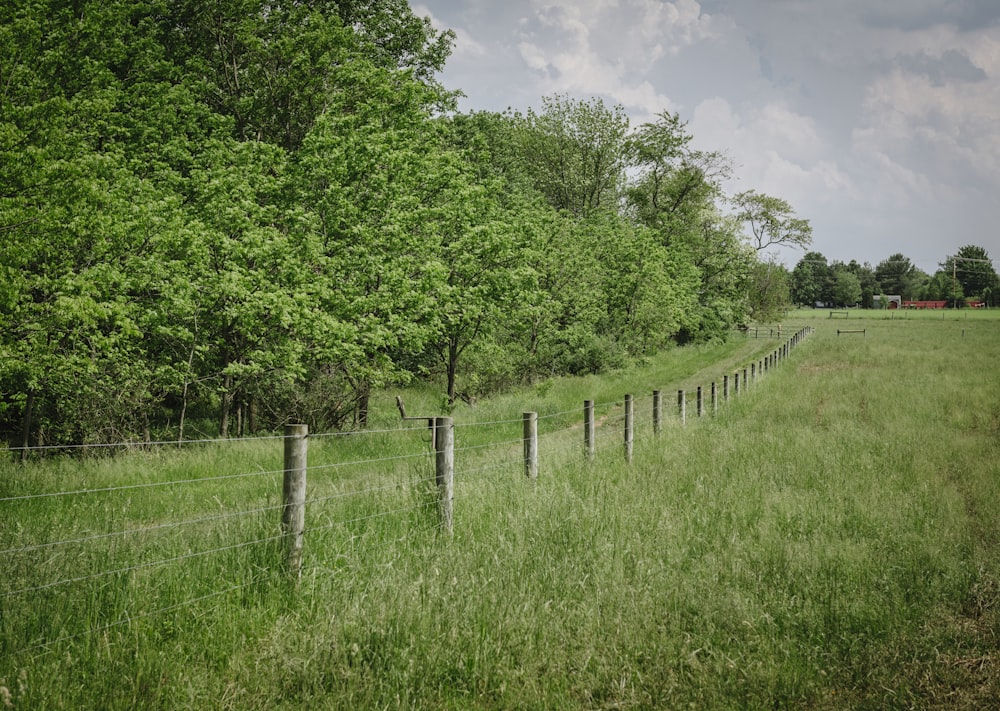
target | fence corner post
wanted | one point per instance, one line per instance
(293, 512)
(629, 424)
(588, 429)
(444, 466)
(530, 420)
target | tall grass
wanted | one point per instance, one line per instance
(828, 540)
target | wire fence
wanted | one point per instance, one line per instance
(50, 551)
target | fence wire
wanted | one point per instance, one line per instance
(479, 462)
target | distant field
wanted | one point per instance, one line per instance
(829, 539)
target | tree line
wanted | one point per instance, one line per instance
(967, 275)
(216, 218)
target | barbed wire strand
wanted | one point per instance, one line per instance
(372, 490)
(478, 447)
(380, 514)
(468, 425)
(147, 485)
(359, 462)
(358, 433)
(139, 444)
(139, 566)
(145, 529)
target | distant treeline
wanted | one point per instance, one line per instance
(249, 213)
(967, 276)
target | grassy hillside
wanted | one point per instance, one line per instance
(827, 540)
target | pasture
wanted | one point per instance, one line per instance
(827, 539)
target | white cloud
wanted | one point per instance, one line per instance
(606, 47)
(943, 130)
(875, 124)
(466, 47)
(775, 149)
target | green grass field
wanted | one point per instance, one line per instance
(828, 540)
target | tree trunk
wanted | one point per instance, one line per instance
(364, 395)
(29, 406)
(252, 416)
(452, 370)
(225, 406)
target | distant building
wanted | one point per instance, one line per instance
(891, 302)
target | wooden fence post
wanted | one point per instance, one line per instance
(715, 399)
(293, 495)
(530, 420)
(629, 424)
(736, 383)
(588, 429)
(725, 388)
(700, 402)
(657, 411)
(444, 468)
(682, 406)
(753, 372)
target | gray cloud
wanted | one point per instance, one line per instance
(914, 15)
(952, 65)
(877, 123)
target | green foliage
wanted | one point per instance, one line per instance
(898, 275)
(846, 288)
(250, 213)
(811, 279)
(772, 221)
(801, 549)
(770, 292)
(576, 153)
(676, 195)
(972, 274)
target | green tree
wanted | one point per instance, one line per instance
(770, 292)
(811, 279)
(846, 288)
(772, 221)
(155, 255)
(481, 254)
(676, 192)
(673, 183)
(575, 152)
(866, 278)
(972, 267)
(898, 275)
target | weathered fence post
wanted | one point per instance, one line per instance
(657, 411)
(444, 468)
(588, 428)
(293, 495)
(736, 383)
(715, 399)
(682, 406)
(629, 431)
(701, 402)
(530, 420)
(725, 388)
(745, 379)
(753, 372)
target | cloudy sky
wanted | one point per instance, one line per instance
(878, 121)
